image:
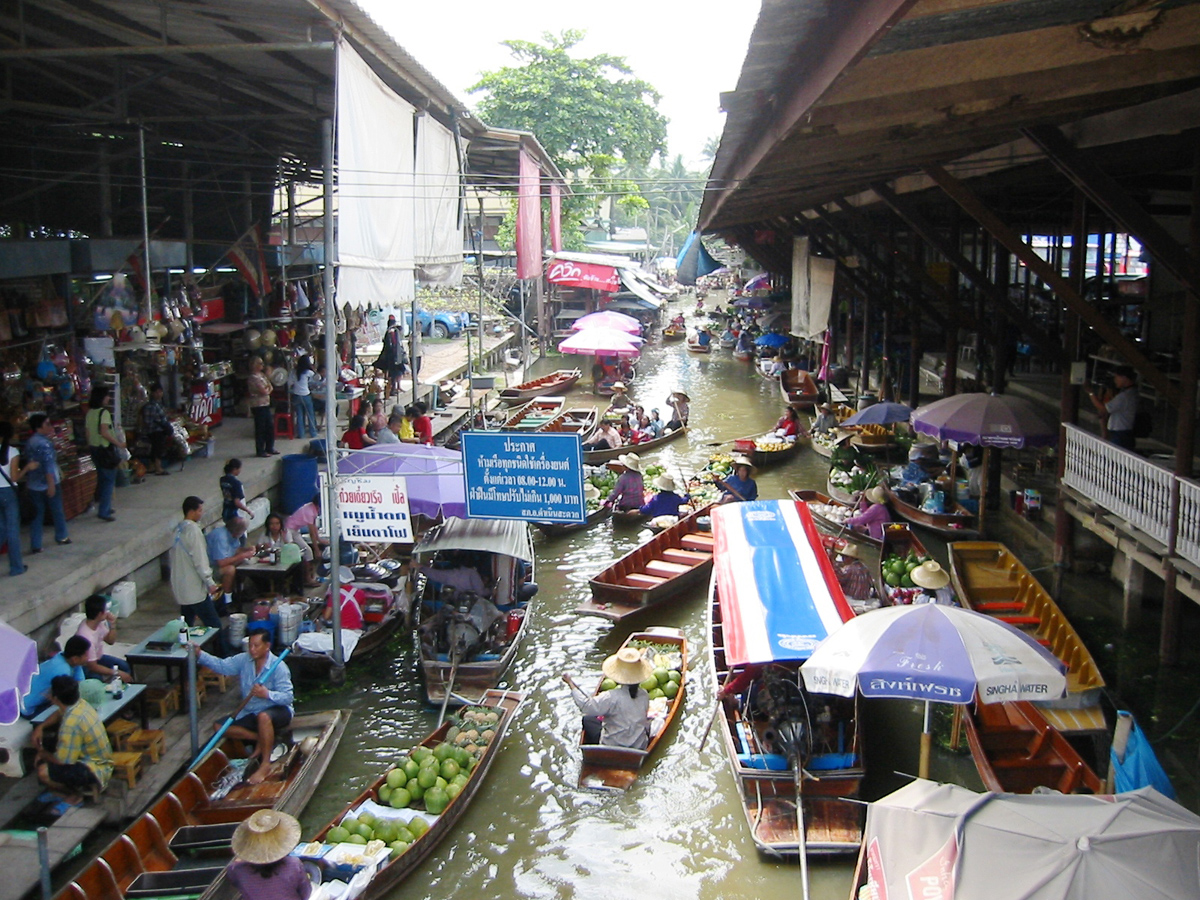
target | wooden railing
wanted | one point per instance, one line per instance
(1134, 488)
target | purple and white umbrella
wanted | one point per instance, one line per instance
(933, 653)
(18, 665)
(601, 341)
(608, 318)
(885, 413)
(434, 475)
(987, 420)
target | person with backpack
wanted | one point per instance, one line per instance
(1119, 416)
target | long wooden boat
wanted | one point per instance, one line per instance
(838, 493)
(674, 333)
(960, 524)
(616, 768)
(798, 388)
(782, 452)
(816, 499)
(595, 457)
(743, 355)
(310, 665)
(668, 563)
(198, 815)
(535, 415)
(989, 578)
(826, 450)
(390, 873)
(577, 420)
(800, 596)
(628, 516)
(605, 388)
(900, 540)
(502, 552)
(559, 382)
(554, 529)
(1016, 750)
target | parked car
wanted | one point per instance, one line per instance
(438, 324)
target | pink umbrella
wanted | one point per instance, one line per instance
(608, 318)
(601, 341)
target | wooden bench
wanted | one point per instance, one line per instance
(687, 558)
(641, 580)
(661, 568)
(150, 741)
(697, 541)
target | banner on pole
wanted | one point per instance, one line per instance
(534, 477)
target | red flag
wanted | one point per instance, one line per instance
(529, 217)
(555, 216)
(247, 256)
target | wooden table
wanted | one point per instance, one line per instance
(274, 573)
(171, 656)
(111, 707)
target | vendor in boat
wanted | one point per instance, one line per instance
(351, 603)
(456, 571)
(629, 493)
(666, 502)
(703, 336)
(934, 583)
(825, 421)
(605, 437)
(679, 403)
(678, 321)
(263, 867)
(620, 398)
(741, 484)
(875, 517)
(788, 427)
(745, 343)
(852, 574)
(924, 464)
(620, 717)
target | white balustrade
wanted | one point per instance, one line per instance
(1187, 540)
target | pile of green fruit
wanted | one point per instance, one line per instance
(649, 473)
(365, 828)
(897, 570)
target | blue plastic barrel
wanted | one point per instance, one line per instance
(299, 481)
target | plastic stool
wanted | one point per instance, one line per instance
(283, 425)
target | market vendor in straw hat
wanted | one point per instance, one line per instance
(262, 868)
(741, 484)
(853, 575)
(666, 502)
(679, 403)
(618, 717)
(620, 398)
(934, 582)
(630, 490)
(874, 517)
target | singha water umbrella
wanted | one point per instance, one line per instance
(601, 341)
(18, 665)
(880, 414)
(937, 653)
(771, 339)
(987, 420)
(608, 318)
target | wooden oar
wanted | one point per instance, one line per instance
(716, 709)
(803, 847)
(216, 738)
(744, 437)
(449, 686)
(724, 484)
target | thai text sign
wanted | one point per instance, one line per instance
(583, 275)
(535, 477)
(374, 508)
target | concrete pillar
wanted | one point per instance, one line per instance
(1132, 576)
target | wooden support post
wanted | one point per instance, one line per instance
(1133, 590)
(973, 206)
(1068, 397)
(864, 377)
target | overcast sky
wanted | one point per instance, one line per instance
(690, 52)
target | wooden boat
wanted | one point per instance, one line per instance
(534, 415)
(1016, 750)
(756, 722)
(577, 420)
(798, 388)
(502, 552)
(605, 388)
(393, 871)
(668, 563)
(674, 333)
(309, 665)
(900, 540)
(760, 457)
(554, 529)
(697, 347)
(743, 355)
(628, 517)
(826, 450)
(990, 579)
(595, 457)
(869, 550)
(616, 768)
(960, 524)
(559, 382)
(838, 493)
(199, 814)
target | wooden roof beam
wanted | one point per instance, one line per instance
(974, 207)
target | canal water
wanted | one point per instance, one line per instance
(680, 831)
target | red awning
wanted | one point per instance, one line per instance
(583, 275)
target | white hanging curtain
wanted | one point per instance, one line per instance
(439, 235)
(375, 187)
(812, 291)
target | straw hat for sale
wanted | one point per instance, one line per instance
(630, 461)
(665, 482)
(929, 575)
(626, 666)
(876, 494)
(266, 837)
(618, 385)
(590, 492)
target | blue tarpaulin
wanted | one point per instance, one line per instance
(694, 261)
(1141, 767)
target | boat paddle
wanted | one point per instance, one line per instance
(216, 738)
(716, 709)
(449, 684)
(744, 437)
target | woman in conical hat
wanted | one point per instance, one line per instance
(617, 717)
(263, 870)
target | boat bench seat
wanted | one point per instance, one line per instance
(1021, 621)
(642, 580)
(665, 569)
(697, 541)
(999, 606)
(686, 557)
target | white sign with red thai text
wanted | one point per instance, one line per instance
(374, 508)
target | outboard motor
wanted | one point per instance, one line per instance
(783, 702)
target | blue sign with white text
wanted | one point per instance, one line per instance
(535, 477)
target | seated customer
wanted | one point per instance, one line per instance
(82, 758)
(69, 662)
(98, 629)
(226, 551)
(270, 706)
(620, 717)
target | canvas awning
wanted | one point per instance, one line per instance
(642, 291)
(503, 536)
(778, 593)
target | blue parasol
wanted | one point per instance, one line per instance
(771, 339)
(880, 414)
